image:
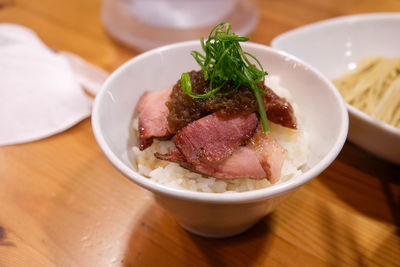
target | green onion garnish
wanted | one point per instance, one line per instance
(225, 61)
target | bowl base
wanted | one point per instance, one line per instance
(223, 234)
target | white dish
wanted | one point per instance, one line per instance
(212, 214)
(334, 47)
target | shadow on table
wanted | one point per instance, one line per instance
(370, 164)
(344, 244)
(244, 248)
(339, 243)
(366, 199)
(160, 241)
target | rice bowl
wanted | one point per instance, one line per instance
(323, 115)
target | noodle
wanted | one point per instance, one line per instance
(374, 88)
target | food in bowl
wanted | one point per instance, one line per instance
(230, 131)
(337, 53)
(374, 88)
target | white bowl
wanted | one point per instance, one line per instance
(334, 47)
(212, 214)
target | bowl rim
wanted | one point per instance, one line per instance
(239, 197)
(335, 20)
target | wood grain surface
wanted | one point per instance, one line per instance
(63, 204)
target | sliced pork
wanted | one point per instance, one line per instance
(279, 110)
(269, 154)
(261, 157)
(242, 163)
(214, 138)
(153, 116)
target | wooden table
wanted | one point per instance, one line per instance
(63, 204)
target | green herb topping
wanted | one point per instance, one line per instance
(225, 61)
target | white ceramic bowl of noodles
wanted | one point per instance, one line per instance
(334, 47)
(214, 214)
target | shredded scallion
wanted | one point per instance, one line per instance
(225, 62)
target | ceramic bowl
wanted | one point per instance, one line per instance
(213, 214)
(334, 47)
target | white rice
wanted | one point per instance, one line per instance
(173, 175)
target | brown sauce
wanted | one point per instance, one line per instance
(184, 109)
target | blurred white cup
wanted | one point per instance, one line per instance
(145, 24)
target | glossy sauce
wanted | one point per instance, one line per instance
(185, 109)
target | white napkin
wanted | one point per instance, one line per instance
(41, 91)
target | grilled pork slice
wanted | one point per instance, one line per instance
(242, 163)
(261, 157)
(269, 154)
(214, 138)
(279, 110)
(153, 116)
